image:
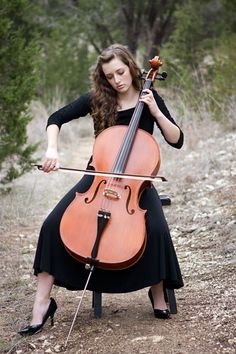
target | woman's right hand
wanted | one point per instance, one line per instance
(51, 161)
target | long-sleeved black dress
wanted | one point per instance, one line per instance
(158, 262)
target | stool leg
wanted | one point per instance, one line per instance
(97, 304)
(172, 300)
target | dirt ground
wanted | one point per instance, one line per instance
(202, 186)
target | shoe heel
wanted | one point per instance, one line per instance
(52, 321)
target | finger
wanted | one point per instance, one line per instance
(48, 165)
(56, 167)
(147, 93)
(146, 99)
(144, 93)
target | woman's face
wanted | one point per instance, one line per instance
(118, 75)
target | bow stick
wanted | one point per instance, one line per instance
(108, 174)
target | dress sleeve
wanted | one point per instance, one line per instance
(161, 104)
(78, 108)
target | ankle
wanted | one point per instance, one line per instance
(158, 296)
(41, 300)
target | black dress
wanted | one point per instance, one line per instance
(158, 262)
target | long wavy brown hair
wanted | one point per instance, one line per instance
(104, 97)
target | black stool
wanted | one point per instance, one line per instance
(169, 293)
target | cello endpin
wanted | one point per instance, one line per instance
(87, 266)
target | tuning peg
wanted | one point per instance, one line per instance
(161, 76)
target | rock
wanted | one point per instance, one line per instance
(58, 348)
(154, 339)
(46, 343)
(32, 346)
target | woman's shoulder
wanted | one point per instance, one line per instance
(159, 99)
(82, 103)
(80, 107)
(85, 97)
(156, 95)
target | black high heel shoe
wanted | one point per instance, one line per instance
(30, 330)
(163, 314)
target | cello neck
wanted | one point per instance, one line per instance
(123, 155)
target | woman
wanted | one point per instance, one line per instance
(115, 92)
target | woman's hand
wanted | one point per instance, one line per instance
(148, 98)
(51, 161)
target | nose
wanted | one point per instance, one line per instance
(116, 79)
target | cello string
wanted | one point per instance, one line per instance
(126, 146)
(125, 149)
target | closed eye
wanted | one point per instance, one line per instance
(119, 72)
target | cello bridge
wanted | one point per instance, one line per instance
(111, 194)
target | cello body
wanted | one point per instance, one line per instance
(123, 238)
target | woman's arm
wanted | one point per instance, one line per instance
(76, 109)
(170, 130)
(51, 160)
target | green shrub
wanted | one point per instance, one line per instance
(18, 58)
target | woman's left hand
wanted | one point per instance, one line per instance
(148, 98)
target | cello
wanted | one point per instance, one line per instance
(105, 227)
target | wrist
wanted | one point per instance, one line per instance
(52, 146)
(51, 153)
(159, 116)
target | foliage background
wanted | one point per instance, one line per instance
(48, 47)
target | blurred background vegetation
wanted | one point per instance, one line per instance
(47, 48)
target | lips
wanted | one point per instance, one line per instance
(120, 87)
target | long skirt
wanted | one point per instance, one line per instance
(158, 262)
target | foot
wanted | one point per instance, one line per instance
(163, 314)
(35, 328)
(158, 313)
(39, 310)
